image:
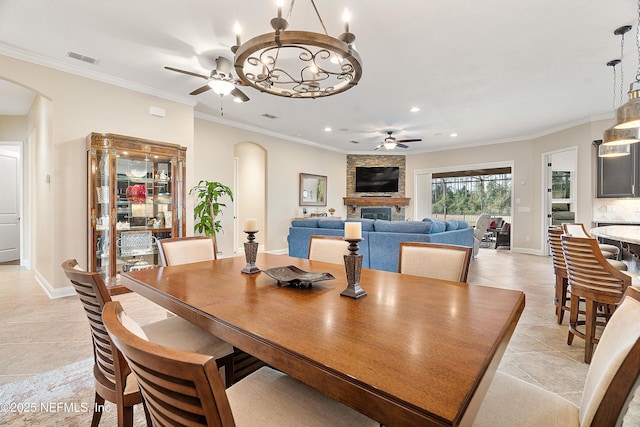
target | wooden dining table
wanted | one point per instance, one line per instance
(413, 351)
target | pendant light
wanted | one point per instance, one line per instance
(628, 115)
(613, 135)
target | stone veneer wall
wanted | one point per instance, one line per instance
(354, 160)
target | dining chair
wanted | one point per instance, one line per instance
(611, 381)
(593, 281)
(579, 230)
(115, 385)
(435, 260)
(183, 388)
(562, 297)
(184, 250)
(327, 249)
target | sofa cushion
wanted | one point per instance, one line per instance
(438, 226)
(415, 227)
(331, 223)
(451, 224)
(367, 223)
(462, 224)
(309, 223)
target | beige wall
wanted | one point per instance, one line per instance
(79, 106)
(215, 144)
(13, 128)
(528, 180)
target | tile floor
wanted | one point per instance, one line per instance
(39, 334)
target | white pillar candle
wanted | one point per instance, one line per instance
(352, 230)
(251, 224)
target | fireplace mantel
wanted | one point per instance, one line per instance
(398, 202)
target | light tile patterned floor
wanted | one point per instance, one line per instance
(39, 334)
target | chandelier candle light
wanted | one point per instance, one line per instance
(353, 261)
(251, 246)
(298, 64)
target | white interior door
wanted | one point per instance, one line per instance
(9, 206)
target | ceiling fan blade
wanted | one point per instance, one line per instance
(200, 90)
(187, 72)
(379, 147)
(238, 94)
(409, 140)
(402, 145)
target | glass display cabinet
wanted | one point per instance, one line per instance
(136, 195)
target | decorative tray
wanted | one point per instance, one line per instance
(292, 275)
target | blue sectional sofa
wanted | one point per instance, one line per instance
(380, 247)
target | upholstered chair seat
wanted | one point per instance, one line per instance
(178, 333)
(611, 381)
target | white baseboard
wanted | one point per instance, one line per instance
(52, 292)
(279, 252)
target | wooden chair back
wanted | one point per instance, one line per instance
(110, 369)
(185, 250)
(327, 249)
(179, 388)
(614, 373)
(439, 261)
(575, 229)
(590, 275)
(554, 234)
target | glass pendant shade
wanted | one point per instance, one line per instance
(613, 150)
(221, 87)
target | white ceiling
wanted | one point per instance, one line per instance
(488, 70)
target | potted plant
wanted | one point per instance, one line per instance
(208, 208)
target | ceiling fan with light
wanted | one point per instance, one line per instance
(220, 80)
(390, 142)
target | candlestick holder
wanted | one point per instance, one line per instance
(353, 266)
(250, 253)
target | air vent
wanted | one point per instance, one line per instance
(82, 58)
(269, 116)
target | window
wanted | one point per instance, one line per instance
(562, 191)
(467, 194)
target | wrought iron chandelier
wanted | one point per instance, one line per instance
(298, 64)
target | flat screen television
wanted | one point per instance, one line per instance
(377, 179)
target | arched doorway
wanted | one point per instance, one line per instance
(250, 190)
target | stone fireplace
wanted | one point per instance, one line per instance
(388, 205)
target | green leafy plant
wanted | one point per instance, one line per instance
(208, 208)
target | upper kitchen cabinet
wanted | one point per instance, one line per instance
(619, 176)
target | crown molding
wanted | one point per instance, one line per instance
(256, 129)
(94, 75)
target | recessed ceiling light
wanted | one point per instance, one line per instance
(453, 135)
(414, 109)
(328, 129)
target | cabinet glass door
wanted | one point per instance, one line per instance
(102, 214)
(144, 209)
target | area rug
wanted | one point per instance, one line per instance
(62, 397)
